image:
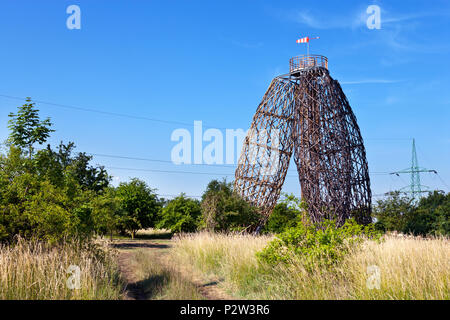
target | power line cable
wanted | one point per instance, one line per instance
(197, 196)
(177, 195)
(193, 164)
(85, 109)
(171, 162)
(170, 171)
(156, 160)
(443, 182)
(188, 172)
(117, 114)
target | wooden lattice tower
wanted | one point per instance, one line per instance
(306, 113)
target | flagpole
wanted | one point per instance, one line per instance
(306, 39)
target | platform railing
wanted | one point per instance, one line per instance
(307, 61)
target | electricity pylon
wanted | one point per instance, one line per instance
(415, 188)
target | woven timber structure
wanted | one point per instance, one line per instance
(305, 113)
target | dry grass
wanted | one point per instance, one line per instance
(161, 282)
(410, 268)
(33, 270)
(228, 256)
(218, 251)
(152, 232)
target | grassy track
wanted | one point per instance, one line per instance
(152, 274)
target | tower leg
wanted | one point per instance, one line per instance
(329, 152)
(267, 149)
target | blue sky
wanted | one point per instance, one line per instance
(181, 61)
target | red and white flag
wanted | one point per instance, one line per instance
(303, 40)
(306, 39)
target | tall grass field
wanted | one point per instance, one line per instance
(33, 270)
(406, 268)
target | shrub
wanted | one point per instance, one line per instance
(180, 215)
(321, 244)
(107, 214)
(223, 210)
(429, 216)
(281, 218)
(392, 213)
(34, 207)
(286, 213)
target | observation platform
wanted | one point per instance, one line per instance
(307, 61)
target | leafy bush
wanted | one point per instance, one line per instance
(431, 215)
(107, 213)
(60, 166)
(321, 244)
(180, 215)
(392, 213)
(280, 219)
(286, 213)
(223, 210)
(34, 206)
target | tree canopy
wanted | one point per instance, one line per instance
(27, 128)
(431, 215)
(180, 215)
(140, 204)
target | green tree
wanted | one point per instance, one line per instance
(289, 211)
(281, 218)
(180, 215)
(107, 212)
(52, 194)
(60, 165)
(15, 182)
(223, 210)
(35, 207)
(139, 203)
(27, 128)
(393, 212)
(431, 216)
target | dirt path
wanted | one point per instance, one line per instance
(133, 291)
(159, 249)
